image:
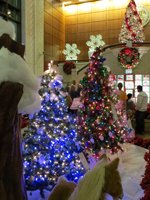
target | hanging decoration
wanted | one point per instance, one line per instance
(132, 28)
(71, 51)
(95, 41)
(129, 57)
(68, 66)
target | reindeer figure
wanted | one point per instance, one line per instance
(103, 178)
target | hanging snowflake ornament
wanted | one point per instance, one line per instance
(71, 51)
(95, 41)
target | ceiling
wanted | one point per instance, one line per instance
(70, 2)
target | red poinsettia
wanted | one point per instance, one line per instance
(145, 143)
(24, 121)
(127, 51)
(68, 66)
(145, 183)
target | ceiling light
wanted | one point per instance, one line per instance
(82, 0)
(67, 2)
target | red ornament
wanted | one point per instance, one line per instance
(97, 108)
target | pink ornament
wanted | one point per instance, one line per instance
(110, 134)
(101, 137)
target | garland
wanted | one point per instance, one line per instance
(68, 66)
(129, 57)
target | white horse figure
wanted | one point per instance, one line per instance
(103, 178)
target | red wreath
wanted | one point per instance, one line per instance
(68, 66)
(129, 57)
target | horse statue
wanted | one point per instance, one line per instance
(101, 180)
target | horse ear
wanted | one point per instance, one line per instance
(114, 164)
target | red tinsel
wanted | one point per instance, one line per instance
(68, 66)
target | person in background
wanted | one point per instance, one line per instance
(79, 89)
(122, 95)
(73, 91)
(67, 88)
(141, 108)
(130, 104)
(67, 96)
(130, 109)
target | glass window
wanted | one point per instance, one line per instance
(129, 77)
(120, 77)
(138, 83)
(146, 80)
(129, 91)
(131, 86)
(138, 77)
(11, 10)
(16, 3)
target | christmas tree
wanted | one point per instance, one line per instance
(132, 28)
(145, 183)
(50, 146)
(100, 124)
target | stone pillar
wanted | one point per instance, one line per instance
(33, 33)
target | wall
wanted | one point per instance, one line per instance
(94, 18)
(54, 32)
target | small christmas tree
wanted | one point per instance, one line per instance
(50, 146)
(132, 28)
(100, 125)
(145, 184)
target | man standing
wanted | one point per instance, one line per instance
(141, 108)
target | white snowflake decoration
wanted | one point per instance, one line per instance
(95, 41)
(71, 51)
